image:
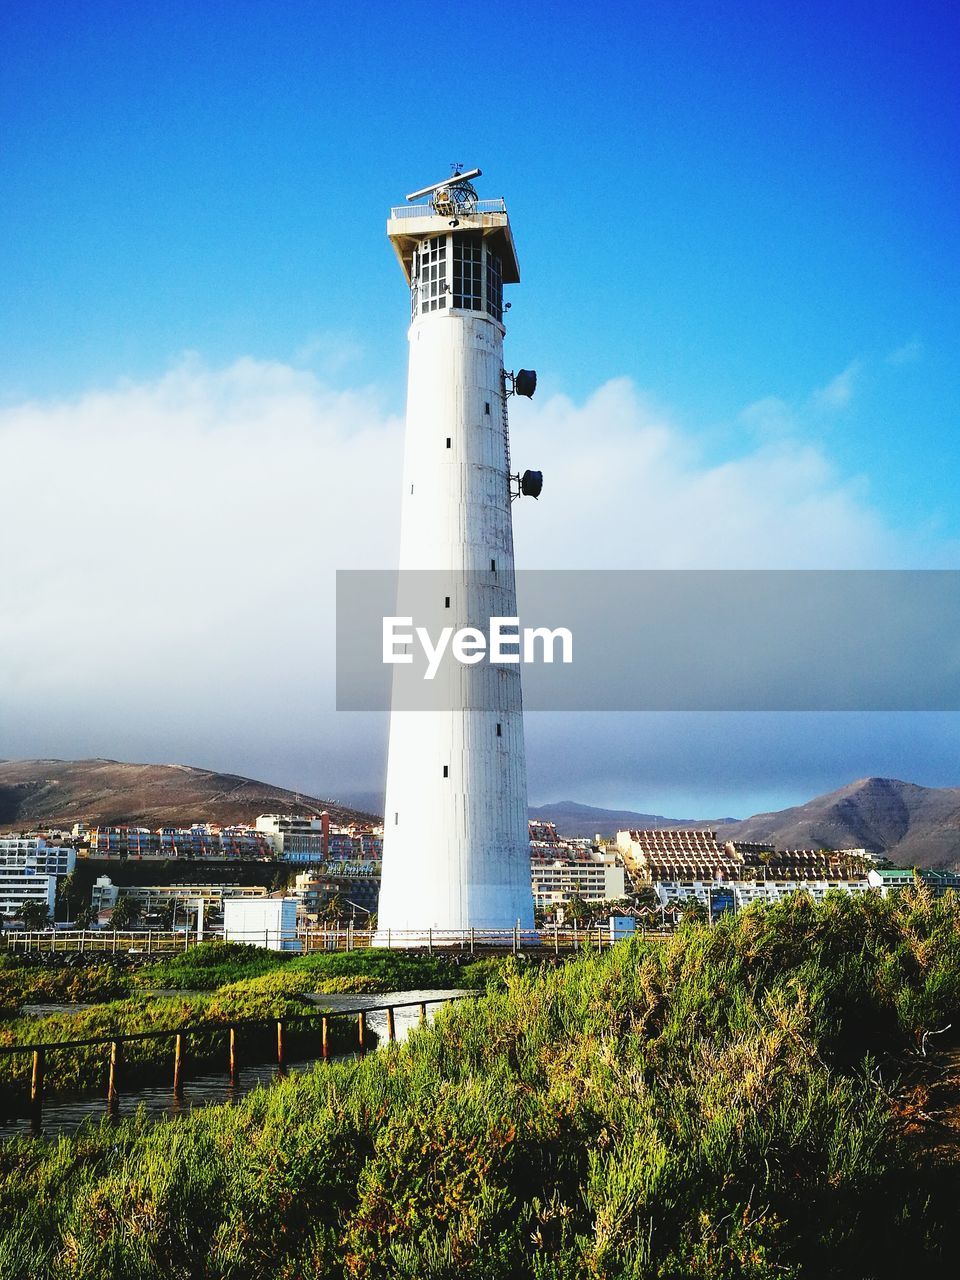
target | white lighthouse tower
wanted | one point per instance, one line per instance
(456, 851)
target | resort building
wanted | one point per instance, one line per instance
(725, 894)
(592, 875)
(34, 856)
(153, 896)
(312, 840)
(19, 885)
(889, 880)
(201, 840)
(29, 870)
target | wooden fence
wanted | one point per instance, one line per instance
(180, 1035)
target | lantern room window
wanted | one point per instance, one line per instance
(430, 290)
(494, 286)
(457, 271)
(467, 272)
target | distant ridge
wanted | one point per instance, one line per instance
(573, 819)
(918, 826)
(106, 792)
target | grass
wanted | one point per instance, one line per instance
(22, 984)
(723, 1104)
(267, 998)
(214, 982)
(212, 964)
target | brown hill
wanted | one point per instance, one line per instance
(107, 792)
(573, 820)
(918, 826)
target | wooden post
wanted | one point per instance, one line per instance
(556, 938)
(391, 1029)
(516, 939)
(232, 1054)
(472, 939)
(361, 1031)
(388, 939)
(423, 1011)
(325, 1035)
(113, 1083)
(178, 1066)
(36, 1089)
(186, 940)
(149, 942)
(430, 941)
(281, 1058)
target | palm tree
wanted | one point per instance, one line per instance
(35, 914)
(125, 914)
(576, 910)
(165, 913)
(83, 916)
(335, 908)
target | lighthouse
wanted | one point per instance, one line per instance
(456, 849)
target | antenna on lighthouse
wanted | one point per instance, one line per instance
(453, 195)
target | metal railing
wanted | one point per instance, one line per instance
(150, 942)
(98, 941)
(428, 211)
(41, 1049)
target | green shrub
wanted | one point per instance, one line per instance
(721, 1104)
(22, 984)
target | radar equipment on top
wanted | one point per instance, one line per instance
(455, 195)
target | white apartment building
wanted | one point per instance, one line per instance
(32, 853)
(152, 896)
(296, 838)
(746, 892)
(29, 868)
(590, 875)
(19, 886)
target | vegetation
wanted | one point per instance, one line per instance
(85, 1068)
(125, 914)
(214, 982)
(216, 966)
(212, 964)
(725, 1103)
(33, 984)
(34, 914)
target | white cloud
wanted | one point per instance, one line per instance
(169, 583)
(328, 354)
(175, 541)
(626, 488)
(909, 353)
(839, 391)
(770, 418)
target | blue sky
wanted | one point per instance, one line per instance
(749, 212)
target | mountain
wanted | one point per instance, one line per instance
(107, 792)
(918, 826)
(572, 819)
(913, 825)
